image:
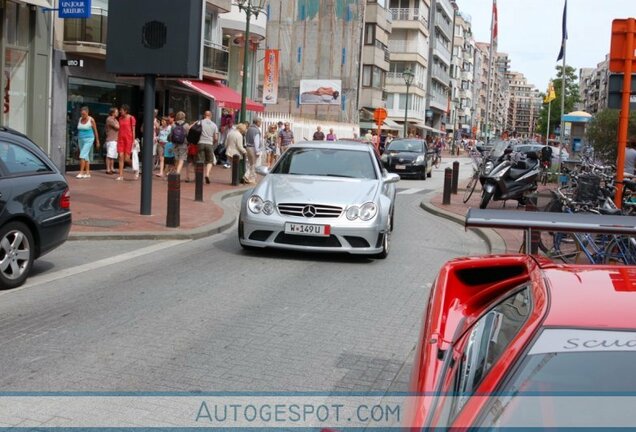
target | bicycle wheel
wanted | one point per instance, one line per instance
(621, 250)
(561, 246)
(470, 188)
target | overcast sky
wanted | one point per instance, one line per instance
(530, 32)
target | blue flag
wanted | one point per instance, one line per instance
(565, 30)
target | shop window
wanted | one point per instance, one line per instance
(18, 24)
(16, 67)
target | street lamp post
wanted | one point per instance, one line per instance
(249, 9)
(408, 76)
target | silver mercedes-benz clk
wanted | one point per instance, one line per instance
(322, 197)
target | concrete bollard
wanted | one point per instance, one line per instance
(173, 218)
(448, 180)
(455, 177)
(236, 178)
(198, 182)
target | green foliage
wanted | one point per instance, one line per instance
(602, 133)
(571, 99)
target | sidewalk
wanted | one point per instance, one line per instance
(107, 209)
(498, 240)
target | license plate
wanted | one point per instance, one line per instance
(400, 167)
(307, 229)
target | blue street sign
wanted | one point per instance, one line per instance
(75, 9)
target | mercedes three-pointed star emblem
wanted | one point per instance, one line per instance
(309, 211)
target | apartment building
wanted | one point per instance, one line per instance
(25, 44)
(84, 40)
(594, 87)
(464, 91)
(375, 57)
(524, 105)
(409, 49)
(442, 17)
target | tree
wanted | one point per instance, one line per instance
(602, 133)
(571, 99)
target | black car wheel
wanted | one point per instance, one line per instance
(16, 254)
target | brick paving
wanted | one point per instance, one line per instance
(102, 205)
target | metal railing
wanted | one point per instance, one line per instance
(91, 30)
(397, 78)
(215, 57)
(440, 73)
(408, 14)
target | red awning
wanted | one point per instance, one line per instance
(223, 95)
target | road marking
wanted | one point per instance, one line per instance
(72, 271)
(411, 191)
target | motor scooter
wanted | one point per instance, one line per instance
(510, 178)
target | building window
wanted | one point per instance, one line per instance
(369, 34)
(372, 76)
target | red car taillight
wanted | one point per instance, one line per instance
(65, 200)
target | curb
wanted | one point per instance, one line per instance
(224, 223)
(494, 242)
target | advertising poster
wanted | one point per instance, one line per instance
(270, 81)
(320, 92)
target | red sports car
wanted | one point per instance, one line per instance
(521, 341)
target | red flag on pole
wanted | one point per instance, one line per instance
(494, 21)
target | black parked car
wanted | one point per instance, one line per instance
(409, 157)
(35, 215)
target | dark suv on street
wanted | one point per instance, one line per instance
(35, 215)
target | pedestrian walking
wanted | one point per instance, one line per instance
(271, 141)
(253, 143)
(87, 136)
(331, 136)
(285, 137)
(234, 143)
(162, 141)
(319, 135)
(112, 132)
(178, 137)
(125, 138)
(209, 138)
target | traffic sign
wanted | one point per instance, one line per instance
(379, 115)
(618, 46)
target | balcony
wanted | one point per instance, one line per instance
(88, 35)
(397, 79)
(440, 74)
(215, 59)
(441, 52)
(408, 14)
(439, 100)
(444, 26)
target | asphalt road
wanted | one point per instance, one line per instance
(206, 316)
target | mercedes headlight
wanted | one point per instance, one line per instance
(353, 213)
(368, 211)
(255, 204)
(419, 160)
(268, 208)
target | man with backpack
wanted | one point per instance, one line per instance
(179, 137)
(205, 134)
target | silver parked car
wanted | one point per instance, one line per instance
(322, 196)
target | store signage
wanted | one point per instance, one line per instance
(75, 9)
(73, 63)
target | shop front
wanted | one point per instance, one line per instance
(24, 78)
